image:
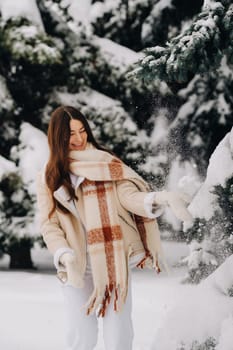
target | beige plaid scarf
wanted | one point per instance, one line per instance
(104, 236)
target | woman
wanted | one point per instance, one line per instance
(98, 221)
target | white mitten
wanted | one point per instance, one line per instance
(176, 201)
(69, 261)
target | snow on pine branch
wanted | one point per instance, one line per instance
(117, 55)
(193, 51)
(24, 40)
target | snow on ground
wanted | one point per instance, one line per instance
(31, 305)
(32, 310)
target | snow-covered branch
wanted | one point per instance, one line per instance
(23, 8)
(195, 50)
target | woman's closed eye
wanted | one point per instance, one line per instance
(80, 131)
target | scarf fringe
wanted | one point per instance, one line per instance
(97, 300)
(149, 259)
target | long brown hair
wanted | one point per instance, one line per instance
(57, 169)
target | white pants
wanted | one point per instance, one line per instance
(82, 330)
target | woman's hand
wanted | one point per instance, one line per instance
(69, 261)
(177, 201)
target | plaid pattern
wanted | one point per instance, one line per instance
(104, 235)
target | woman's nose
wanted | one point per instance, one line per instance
(78, 137)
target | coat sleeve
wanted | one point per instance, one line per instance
(53, 235)
(133, 200)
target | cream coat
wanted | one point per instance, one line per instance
(67, 230)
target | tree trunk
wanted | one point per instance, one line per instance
(20, 256)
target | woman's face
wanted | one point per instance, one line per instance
(78, 136)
